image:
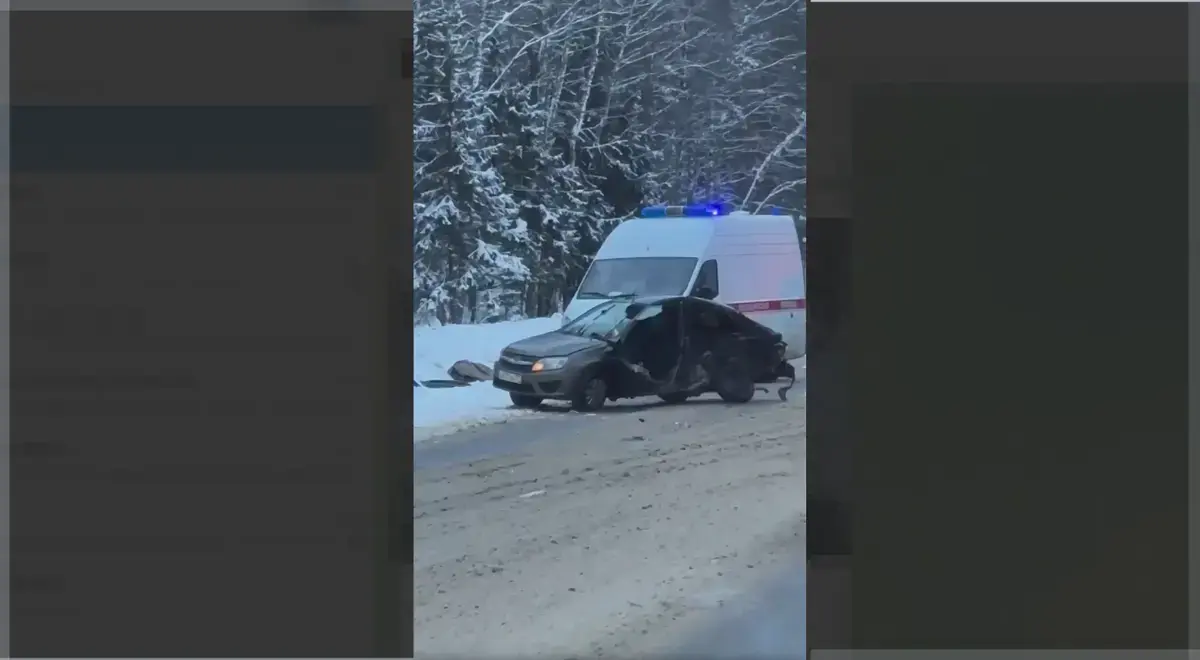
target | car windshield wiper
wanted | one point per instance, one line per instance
(597, 335)
(592, 295)
(576, 331)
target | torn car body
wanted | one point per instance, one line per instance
(671, 347)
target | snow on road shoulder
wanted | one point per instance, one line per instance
(436, 348)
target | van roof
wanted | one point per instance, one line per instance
(695, 236)
(658, 237)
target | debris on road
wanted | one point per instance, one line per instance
(465, 371)
(788, 371)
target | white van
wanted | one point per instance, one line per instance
(749, 262)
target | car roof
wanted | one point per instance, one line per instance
(654, 300)
(744, 320)
(659, 300)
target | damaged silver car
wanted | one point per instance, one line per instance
(671, 347)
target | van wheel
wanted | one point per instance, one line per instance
(734, 384)
(591, 395)
(674, 397)
(525, 400)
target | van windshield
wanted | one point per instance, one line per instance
(640, 276)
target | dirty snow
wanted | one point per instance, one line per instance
(437, 411)
(657, 534)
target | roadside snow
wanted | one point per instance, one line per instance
(436, 411)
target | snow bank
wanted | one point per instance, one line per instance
(435, 349)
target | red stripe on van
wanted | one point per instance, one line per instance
(768, 305)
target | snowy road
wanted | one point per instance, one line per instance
(641, 529)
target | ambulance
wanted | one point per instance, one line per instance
(751, 263)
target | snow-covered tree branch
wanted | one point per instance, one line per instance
(539, 124)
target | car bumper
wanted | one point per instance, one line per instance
(557, 384)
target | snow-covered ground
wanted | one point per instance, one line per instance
(435, 349)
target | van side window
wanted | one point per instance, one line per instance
(707, 279)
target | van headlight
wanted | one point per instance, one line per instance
(549, 364)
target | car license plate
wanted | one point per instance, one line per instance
(508, 376)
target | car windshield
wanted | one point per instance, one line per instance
(605, 320)
(640, 276)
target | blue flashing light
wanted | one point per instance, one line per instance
(711, 210)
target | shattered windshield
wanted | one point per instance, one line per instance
(605, 320)
(641, 276)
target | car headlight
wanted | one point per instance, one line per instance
(549, 364)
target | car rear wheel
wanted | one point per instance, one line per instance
(734, 383)
(785, 370)
(591, 396)
(525, 400)
(674, 397)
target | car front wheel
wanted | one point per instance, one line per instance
(591, 395)
(674, 397)
(525, 400)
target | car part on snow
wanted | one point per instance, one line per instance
(438, 384)
(465, 371)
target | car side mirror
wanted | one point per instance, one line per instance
(705, 292)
